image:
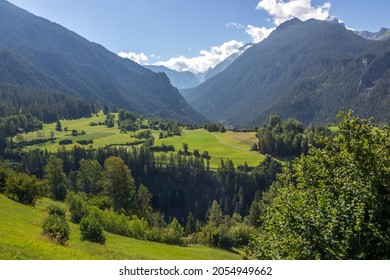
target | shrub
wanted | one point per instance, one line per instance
(23, 188)
(56, 210)
(173, 234)
(65, 142)
(77, 206)
(85, 142)
(91, 230)
(56, 225)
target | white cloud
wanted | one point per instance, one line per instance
(282, 10)
(279, 11)
(204, 60)
(137, 57)
(234, 25)
(258, 34)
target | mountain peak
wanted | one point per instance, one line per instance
(334, 20)
(285, 74)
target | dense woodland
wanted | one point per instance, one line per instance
(287, 138)
(45, 105)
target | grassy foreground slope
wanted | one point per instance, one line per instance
(21, 238)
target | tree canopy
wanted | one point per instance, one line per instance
(332, 203)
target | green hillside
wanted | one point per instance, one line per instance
(21, 238)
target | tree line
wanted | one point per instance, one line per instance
(286, 138)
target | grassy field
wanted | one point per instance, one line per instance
(230, 145)
(21, 238)
(100, 134)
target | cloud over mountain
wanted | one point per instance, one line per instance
(137, 57)
(205, 60)
(282, 11)
(279, 12)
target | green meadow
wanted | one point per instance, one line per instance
(230, 145)
(21, 238)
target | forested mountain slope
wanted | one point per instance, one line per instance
(307, 70)
(37, 53)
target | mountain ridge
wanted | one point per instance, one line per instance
(269, 74)
(38, 53)
(181, 80)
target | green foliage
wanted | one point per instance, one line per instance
(56, 225)
(215, 217)
(23, 188)
(56, 178)
(230, 232)
(190, 225)
(285, 139)
(144, 203)
(56, 210)
(12, 125)
(143, 134)
(90, 177)
(173, 234)
(332, 203)
(58, 126)
(77, 206)
(215, 127)
(91, 230)
(65, 141)
(5, 170)
(41, 105)
(121, 186)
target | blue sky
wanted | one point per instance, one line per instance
(194, 34)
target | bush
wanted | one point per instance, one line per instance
(138, 228)
(56, 226)
(91, 230)
(77, 206)
(5, 170)
(56, 210)
(173, 234)
(65, 142)
(85, 142)
(23, 188)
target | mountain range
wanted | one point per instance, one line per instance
(40, 54)
(309, 70)
(181, 80)
(382, 34)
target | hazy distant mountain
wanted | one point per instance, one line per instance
(37, 53)
(185, 79)
(382, 34)
(308, 70)
(225, 63)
